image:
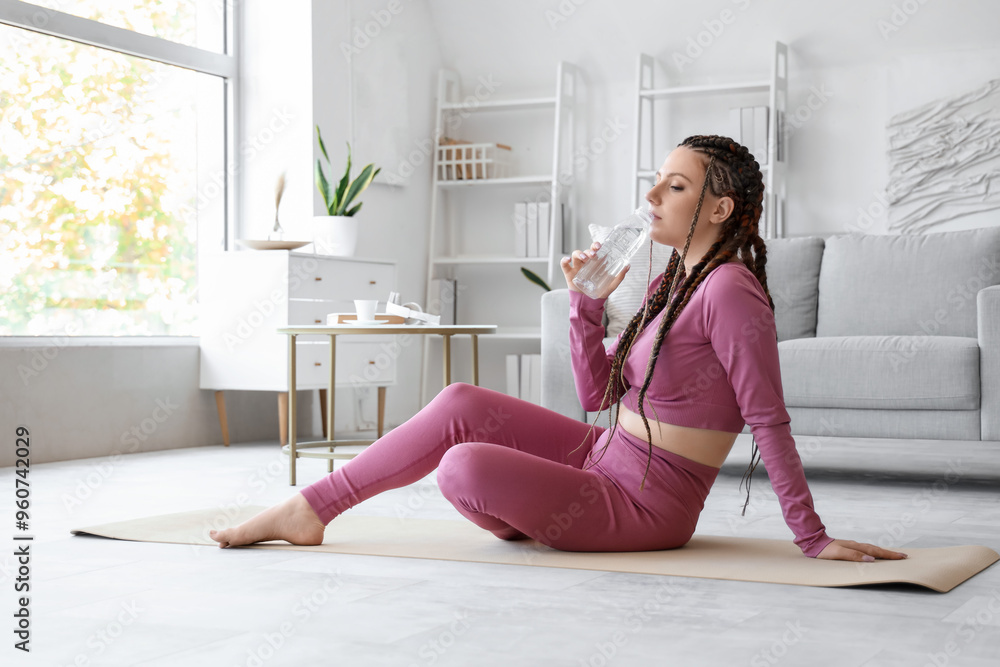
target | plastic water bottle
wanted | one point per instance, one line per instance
(615, 251)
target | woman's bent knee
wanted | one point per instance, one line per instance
(457, 391)
(460, 468)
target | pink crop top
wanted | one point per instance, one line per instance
(717, 369)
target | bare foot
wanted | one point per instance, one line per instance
(293, 521)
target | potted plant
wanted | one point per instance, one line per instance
(336, 232)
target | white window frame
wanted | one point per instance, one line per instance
(54, 23)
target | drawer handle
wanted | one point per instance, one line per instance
(318, 279)
(317, 363)
(371, 363)
(371, 282)
(318, 321)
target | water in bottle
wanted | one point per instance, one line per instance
(615, 251)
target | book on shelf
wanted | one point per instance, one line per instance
(544, 229)
(748, 126)
(532, 229)
(524, 377)
(566, 226)
(513, 375)
(524, 386)
(444, 299)
(521, 229)
(760, 135)
(535, 388)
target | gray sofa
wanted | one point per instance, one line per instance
(879, 336)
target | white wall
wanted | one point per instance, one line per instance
(853, 48)
(365, 73)
(276, 128)
(390, 49)
(81, 401)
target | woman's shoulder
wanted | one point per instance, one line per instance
(731, 279)
(725, 277)
(729, 272)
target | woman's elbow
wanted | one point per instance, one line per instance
(594, 402)
(591, 402)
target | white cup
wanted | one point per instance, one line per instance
(365, 309)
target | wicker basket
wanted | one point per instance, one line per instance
(458, 160)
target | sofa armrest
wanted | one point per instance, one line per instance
(558, 385)
(988, 326)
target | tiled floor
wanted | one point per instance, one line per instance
(105, 602)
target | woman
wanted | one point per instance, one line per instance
(520, 470)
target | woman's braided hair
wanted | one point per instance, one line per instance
(730, 171)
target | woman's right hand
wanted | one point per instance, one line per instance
(571, 266)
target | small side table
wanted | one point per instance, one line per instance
(333, 330)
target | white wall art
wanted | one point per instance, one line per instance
(943, 160)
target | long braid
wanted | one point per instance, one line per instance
(731, 171)
(674, 310)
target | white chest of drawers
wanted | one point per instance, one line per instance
(244, 296)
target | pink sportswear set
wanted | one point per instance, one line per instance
(520, 470)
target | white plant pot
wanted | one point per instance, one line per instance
(334, 235)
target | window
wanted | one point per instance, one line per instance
(113, 155)
(198, 23)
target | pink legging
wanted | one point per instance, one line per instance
(508, 465)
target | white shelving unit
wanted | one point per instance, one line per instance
(478, 243)
(774, 171)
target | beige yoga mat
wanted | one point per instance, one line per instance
(705, 556)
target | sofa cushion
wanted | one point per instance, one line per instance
(881, 372)
(792, 271)
(900, 285)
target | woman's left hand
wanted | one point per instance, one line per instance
(858, 551)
